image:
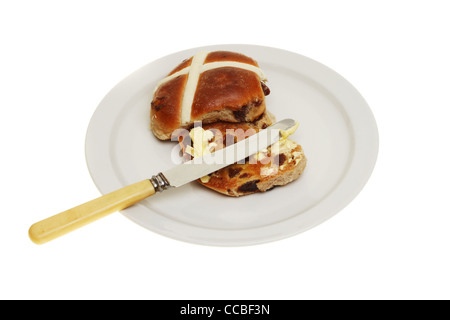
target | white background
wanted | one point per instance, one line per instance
(59, 59)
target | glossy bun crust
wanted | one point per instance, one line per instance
(225, 93)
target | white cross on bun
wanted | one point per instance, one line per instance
(208, 87)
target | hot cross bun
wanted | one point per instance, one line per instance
(208, 87)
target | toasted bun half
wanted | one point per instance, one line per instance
(259, 175)
(279, 164)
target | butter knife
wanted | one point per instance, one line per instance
(69, 220)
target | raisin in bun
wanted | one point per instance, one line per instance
(264, 172)
(208, 87)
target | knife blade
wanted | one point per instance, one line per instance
(69, 220)
(202, 166)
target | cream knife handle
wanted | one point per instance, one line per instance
(67, 221)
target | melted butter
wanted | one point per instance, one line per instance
(286, 133)
(261, 155)
(200, 140)
(205, 179)
(201, 145)
(285, 145)
(282, 146)
(267, 171)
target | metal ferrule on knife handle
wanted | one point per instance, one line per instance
(160, 182)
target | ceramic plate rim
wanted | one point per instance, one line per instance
(365, 151)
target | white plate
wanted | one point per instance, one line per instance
(337, 131)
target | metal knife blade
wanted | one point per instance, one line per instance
(202, 166)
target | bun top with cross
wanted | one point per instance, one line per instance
(208, 87)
